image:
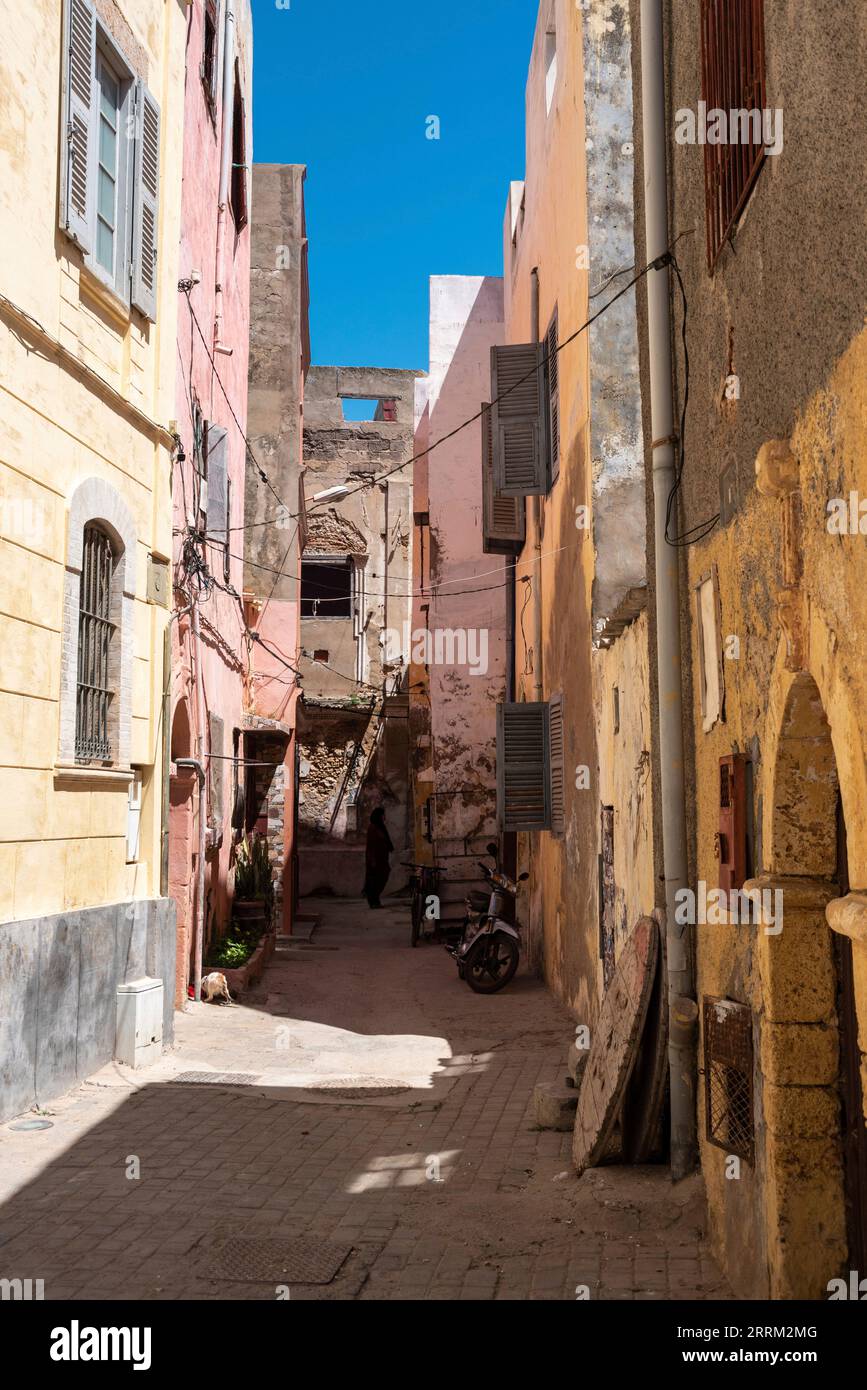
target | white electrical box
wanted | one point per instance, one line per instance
(139, 1022)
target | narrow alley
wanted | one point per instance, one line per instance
(433, 762)
(426, 1178)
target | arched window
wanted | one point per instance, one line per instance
(97, 659)
(97, 653)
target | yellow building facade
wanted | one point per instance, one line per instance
(581, 630)
(91, 106)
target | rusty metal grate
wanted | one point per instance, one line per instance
(728, 1076)
(733, 81)
(252, 1261)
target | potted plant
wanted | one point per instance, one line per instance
(254, 891)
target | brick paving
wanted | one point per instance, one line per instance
(445, 1190)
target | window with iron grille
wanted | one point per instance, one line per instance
(728, 1076)
(96, 632)
(733, 82)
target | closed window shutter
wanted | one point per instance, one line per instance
(518, 424)
(78, 140)
(502, 517)
(553, 378)
(218, 482)
(557, 762)
(146, 203)
(523, 782)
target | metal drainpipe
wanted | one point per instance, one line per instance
(197, 967)
(682, 1008)
(536, 567)
(225, 170)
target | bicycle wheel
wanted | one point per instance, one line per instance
(417, 911)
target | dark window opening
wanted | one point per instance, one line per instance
(239, 159)
(209, 52)
(733, 81)
(96, 631)
(320, 655)
(326, 588)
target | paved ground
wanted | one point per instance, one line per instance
(429, 1177)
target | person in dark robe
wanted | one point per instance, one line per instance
(378, 849)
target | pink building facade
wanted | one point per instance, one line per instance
(458, 654)
(210, 663)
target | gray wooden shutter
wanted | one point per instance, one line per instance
(146, 189)
(218, 482)
(553, 383)
(216, 766)
(78, 137)
(502, 517)
(518, 421)
(523, 782)
(557, 764)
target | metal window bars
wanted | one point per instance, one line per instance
(728, 1068)
(733, 81)
(95, 634)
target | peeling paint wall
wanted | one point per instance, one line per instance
(353, 721)
(623, 731)
(784, 313)
(222, 645)
(453, 695)
(616, 458)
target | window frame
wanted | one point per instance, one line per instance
(239, 199)
(95, 502)
(338, 560)
(552, 393)
(109, 56)
(730, 176)
(97, 663)
(211, 79)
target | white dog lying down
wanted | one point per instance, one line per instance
(215, 986)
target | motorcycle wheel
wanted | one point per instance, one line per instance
(492, 966)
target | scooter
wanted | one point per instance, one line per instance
(488, 951)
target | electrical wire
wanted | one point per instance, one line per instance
(432, 592)
(658, 264)
(693, 534)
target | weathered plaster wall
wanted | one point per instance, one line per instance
(274, 535)
(624, 770)
(783, 312)
(615, 436)
(373, 521)
(466, 320)
(223, 648)
(62, 844)
(562, 907)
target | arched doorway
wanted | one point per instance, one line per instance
(183, 847)
(811, 1094)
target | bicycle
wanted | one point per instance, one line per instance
(423, 883)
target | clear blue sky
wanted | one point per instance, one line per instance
(345, 86)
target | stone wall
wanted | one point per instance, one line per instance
(58, 992)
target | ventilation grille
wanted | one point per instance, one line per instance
(728, 1067)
